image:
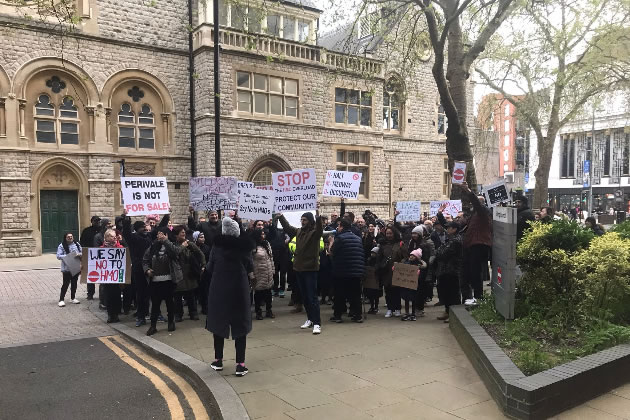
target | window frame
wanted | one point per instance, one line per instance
(359, 105)
(441, 114)
(396, 90)
(136, 125)
(567, 157)
(251, 91)
(56, 101)
(446, 178)
(362, 166)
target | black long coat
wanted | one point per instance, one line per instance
(228, 297)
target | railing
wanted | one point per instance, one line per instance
(286, 50)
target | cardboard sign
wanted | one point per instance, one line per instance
(342, 184)
(265, 187)
(496, 194)
(409, 211)
(73, 263)
(256, 204)
(212, 193)
(405, 276)
(371, 279)
(459, 173)
(452, 207)
(243, 184)
(295, 190)
(294, 218)
(105, 266)
(145, 195)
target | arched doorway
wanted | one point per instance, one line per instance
(260, 172)
(59, 187)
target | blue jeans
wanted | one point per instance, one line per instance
(307, 281)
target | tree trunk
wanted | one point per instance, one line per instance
(545, 154)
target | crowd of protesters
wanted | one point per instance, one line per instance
(226, 268)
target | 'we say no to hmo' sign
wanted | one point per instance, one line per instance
(105, 266)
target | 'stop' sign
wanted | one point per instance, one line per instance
(295, 190)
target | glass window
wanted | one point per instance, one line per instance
(442, 123)
(129, 127)
(506, 126)
(506, 140)
(254, 20)
(146, 139)
(125, 115)
(288, 28)
(626, 155)
(607, 153)
(506, 155)
(263, 177)
(355, 161)
(69, 133)
(52, 126)
(239, 16)
(223, 13)
(353, 107)
(273, 25)
(45, 131)
(146, 116)
(391, 107)
(127, 137)
(304, 29)
(44, 107)
(507, 110)
(267, 94)
(67, 109)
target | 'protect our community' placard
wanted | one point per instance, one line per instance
(145, 195)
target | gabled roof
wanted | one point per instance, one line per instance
(343, 40)
(307, 4)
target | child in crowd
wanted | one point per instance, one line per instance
(408, 295)
(373, 295)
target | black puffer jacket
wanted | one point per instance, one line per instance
(449, 257)
(347, 255)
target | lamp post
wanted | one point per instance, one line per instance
(590, 172)
(217, 92)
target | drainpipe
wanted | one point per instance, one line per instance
(217, 92)
(191, 88)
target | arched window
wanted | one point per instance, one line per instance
(137, 133)
(263, 177)
(392, 93)
(56, 125)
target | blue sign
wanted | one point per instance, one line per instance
(526, 178)
(586, 177)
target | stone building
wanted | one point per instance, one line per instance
(76, 99)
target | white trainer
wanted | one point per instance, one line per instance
(396, 313)
(75, 301)
(388, 314)
(307, 324)
(470, 302)
(317, 329)
(61, 304)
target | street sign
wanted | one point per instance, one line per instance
(587, 177)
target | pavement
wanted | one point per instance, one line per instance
(383, 368)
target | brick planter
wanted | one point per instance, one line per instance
(543, 394)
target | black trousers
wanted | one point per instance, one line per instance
(91, 289)
(129, 295)
(296, 295)
(449, 285)
(280, 278)
(112, 300)
(262, 297)
(161, 291)
(475, 260)
(392, 298)
(191, 301)
(240, 344)
(347, 289)
(141, 287)
(68, 280)
(202, 292)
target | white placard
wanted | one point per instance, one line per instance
(459, 173)
(256, 204)
(409, 211)
(244, 184)
(452, 207)
(212, 193)
(145, 195)
(106, 266)
(295, 190)
(342, 184)
(73, 263)
(294, 218)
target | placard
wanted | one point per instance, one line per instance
(244, 184)
(452, 207)
(73, 263)
(214, 193)
(145, 195)
(371, 279)
(105, 266)
(295, 190)
(265, 187)
(409, 211)
(342, 184)
(459, 173)
(256, 204)
(496, 194)
(405, 276)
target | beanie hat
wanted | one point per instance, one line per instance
(230, 228)
(196, 235)
(419, 230)
(417, 253)
(138, 225)
(309, 216)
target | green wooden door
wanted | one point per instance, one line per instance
(59, 214)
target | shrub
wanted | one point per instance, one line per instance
(623, 229)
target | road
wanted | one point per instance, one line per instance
(61, 363)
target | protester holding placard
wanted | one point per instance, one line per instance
(192, 262)
(306, 263)
(373, 288)
(161, 266)
(67, 247)
(409, 295)
(211, 229)
(112, 291)
(391, 250)
(477, 243)
(230, 269)
(420, 241)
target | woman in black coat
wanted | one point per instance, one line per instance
(230, 269)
